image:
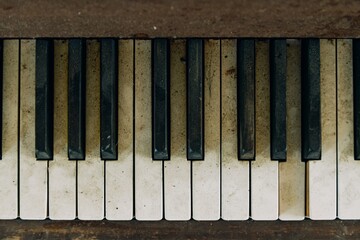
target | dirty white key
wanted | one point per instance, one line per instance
(292, 172)
(348, 168)
(264, 172)
(119, 174)
(33, 173)
(9, 161)
(90, 172)
(206, 173)
(148, 173)
(322, 174)
(62, 172)
(177, 185)
(235, 173)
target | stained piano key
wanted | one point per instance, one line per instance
(310, 101)
(1, 90)
(108, 98)
(206, 174)
(234, 174)
(321, 175)
(278, 98)
(160, 99)
(246, 98)
(292, 172)
(90, 173)
(44, 99)
(76, 101)
(195, 99)
(356, 69)
(9, 163)
(264, 172)
(348, 206)
(177, 172)
(148, 173)
(32, 174)
(119, 174)
(62, 173)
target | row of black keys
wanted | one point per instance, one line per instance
(311, 125)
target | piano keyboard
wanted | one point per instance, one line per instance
(202, 129)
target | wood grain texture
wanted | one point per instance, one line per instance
(17, 229)
(179, 18)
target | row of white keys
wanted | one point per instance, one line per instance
(206, 174)
(264, 172)
(119, 174)
(348, 168)
(33, 174)
(235, 173)
(292, 172)
(62, 172)
(9, 161)
(321, 175)
(177, 184)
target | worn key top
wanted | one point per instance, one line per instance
(109, 98)
(160, 99)
(9, 164)
(1, 92)
(195, 101)
(33, 175)
(310, 101)
(278, 98)
(76, 98)
(246, 99)
(61, 172)
(44, 99)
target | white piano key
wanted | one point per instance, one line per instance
(119, 174)
(9, 161)
(206, 173)
(235, 173)
(33, 173)
(177, 184)
(348, 168)
(264, 172)
(148, 173)
(322, 174)
(90, 172)
(292, 172)
(62, 172)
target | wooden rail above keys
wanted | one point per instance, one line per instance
(179, 18)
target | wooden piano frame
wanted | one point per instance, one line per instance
(180, 19)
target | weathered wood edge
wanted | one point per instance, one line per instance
(307, 229)
(179, 18)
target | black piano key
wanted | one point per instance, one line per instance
(356, 78)
(76, 98)
(44, 99)
(160, 99)
(246, 99)
(1, 91)
(109, 99)
(310, 100)
(278, 98)
(195, 99)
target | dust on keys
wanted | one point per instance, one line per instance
(202, 129)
